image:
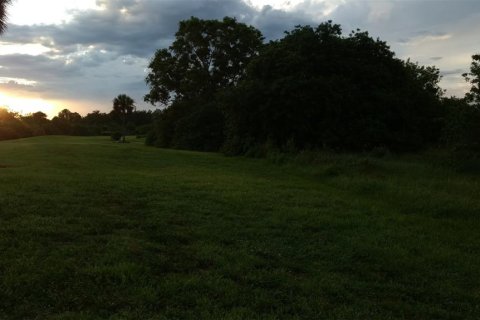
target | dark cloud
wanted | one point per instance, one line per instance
(454, 72)
(37, 68)
(14, 86)
(138, 28)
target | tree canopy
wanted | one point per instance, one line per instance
(3, 14)
(207, 55)
(462, 121)
(315, 88)
(473, 77)
(123, 106)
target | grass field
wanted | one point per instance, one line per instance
(91, 229)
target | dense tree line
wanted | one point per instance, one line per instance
(115, 124)
(223, 89)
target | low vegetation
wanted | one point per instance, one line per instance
(91, 229)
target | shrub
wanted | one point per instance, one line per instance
(462, 128)
(116, 136)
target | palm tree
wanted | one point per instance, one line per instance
(3, 15)
(123, 105)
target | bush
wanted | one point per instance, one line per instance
(462, 128)
(192, 125)
(200, 130)
(151, 138)
(380, 152)
(316, 89)
(116, 136)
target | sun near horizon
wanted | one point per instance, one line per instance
(25, 105)
(26, 13)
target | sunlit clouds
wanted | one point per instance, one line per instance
(27, 105)
(32, 12)
(34, 49)
(323, 7)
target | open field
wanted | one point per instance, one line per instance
(91, 229)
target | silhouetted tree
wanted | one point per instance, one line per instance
(69, 116)
(473, 77)
(12, 126)
(462, 126)
(142, 120)
(206, 57)
(123, 106)
(315, 88)
(462, 121)
(38, 123)
(67, 122)
(98, 123)
(3, 14)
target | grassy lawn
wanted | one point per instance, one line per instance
(91, 229)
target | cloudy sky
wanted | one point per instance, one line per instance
(80, 54)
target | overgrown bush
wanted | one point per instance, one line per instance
(201, 129)
(462, 126)
(462, 133)
(317, 89)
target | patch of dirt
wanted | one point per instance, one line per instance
(3, 166)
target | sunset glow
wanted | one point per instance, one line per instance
(27, 105)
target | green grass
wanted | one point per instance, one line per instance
(91, 229)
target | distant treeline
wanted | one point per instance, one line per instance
(14, 125)
(224, 89)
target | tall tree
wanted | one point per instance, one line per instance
(207, 55)
(3, 14)
(473, 77)
(123, 106)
